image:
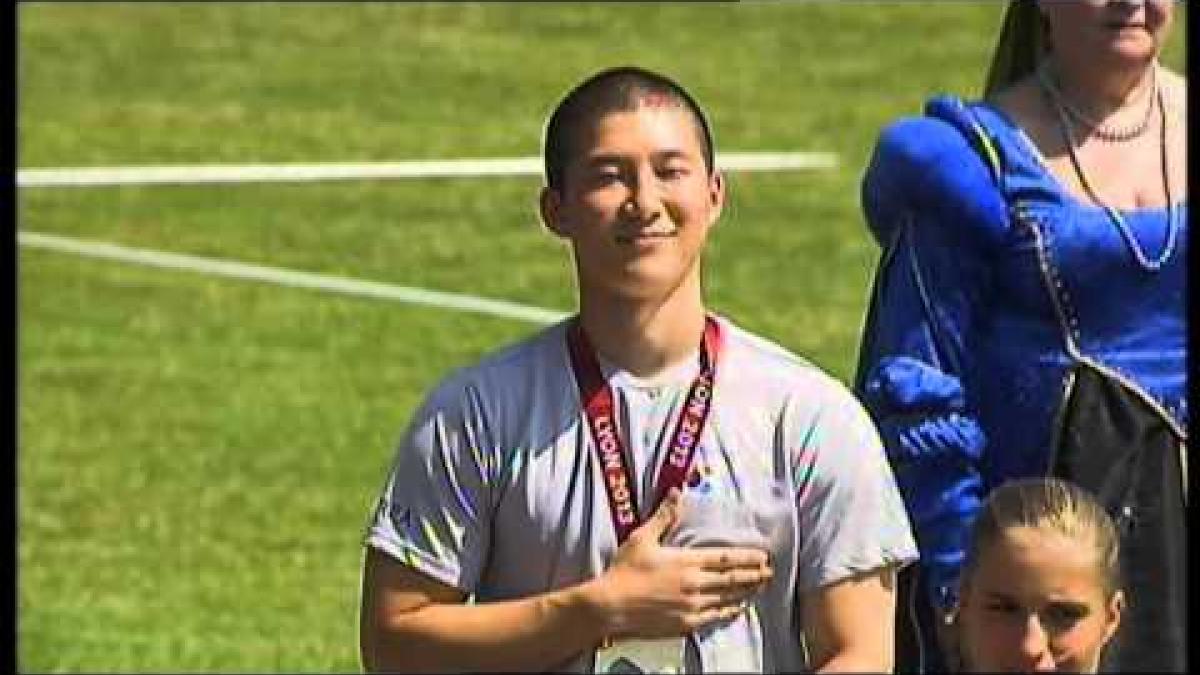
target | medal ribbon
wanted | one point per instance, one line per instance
(597, 399)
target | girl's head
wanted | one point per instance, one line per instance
(1040, 589)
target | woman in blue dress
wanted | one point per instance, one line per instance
(1028, 311)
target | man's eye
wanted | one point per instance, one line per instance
(673, 172)
(606, 177)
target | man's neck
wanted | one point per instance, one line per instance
(640, 336)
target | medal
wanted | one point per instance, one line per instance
(641, 656)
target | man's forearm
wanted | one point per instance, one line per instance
(851, 662)
(534, 633)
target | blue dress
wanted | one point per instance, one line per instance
(991, 286)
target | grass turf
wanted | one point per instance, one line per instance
(198, 455)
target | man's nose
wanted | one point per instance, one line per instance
(645, 201)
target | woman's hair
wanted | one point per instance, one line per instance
(1048, 504)
(1022, 43)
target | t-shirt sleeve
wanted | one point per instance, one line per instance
(434, 510)
(851, 517)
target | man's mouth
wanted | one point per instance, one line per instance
(644, 235)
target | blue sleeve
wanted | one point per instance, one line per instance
(933, 206)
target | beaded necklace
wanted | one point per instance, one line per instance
(1139, 255)
(1102, 131)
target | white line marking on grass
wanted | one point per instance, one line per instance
(286, 277)
(453, 168)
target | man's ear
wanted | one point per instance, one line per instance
(550, 206)
(716, 195)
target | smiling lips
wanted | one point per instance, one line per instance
(634, 230)
(636, 236)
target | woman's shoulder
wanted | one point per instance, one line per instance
(1174, 88)
(944, 139)
(931, 164)
(924, 140)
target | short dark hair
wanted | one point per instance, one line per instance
(617, 89)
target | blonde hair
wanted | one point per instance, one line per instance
(1022, 44)
(1048, 504)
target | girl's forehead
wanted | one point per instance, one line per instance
(1042, 539)
(1032, 557)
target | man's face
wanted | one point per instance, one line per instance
(637, 202)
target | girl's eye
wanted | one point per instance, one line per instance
(1003, 607)
(1063, 616)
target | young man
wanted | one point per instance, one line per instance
(543, 483)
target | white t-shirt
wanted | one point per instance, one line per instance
(496, 490)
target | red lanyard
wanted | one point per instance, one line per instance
(598, 405)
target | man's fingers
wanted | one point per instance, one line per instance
(717, 612)
(747, 576)
(721, 602)
(663, 519)
(721, 559)
(736, 582)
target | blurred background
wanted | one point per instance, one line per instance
(198, 455)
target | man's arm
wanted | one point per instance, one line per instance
(849, 624)
(411, 622)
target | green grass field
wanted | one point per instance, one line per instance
(198, 455)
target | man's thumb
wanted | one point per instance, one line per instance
(665, 516)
